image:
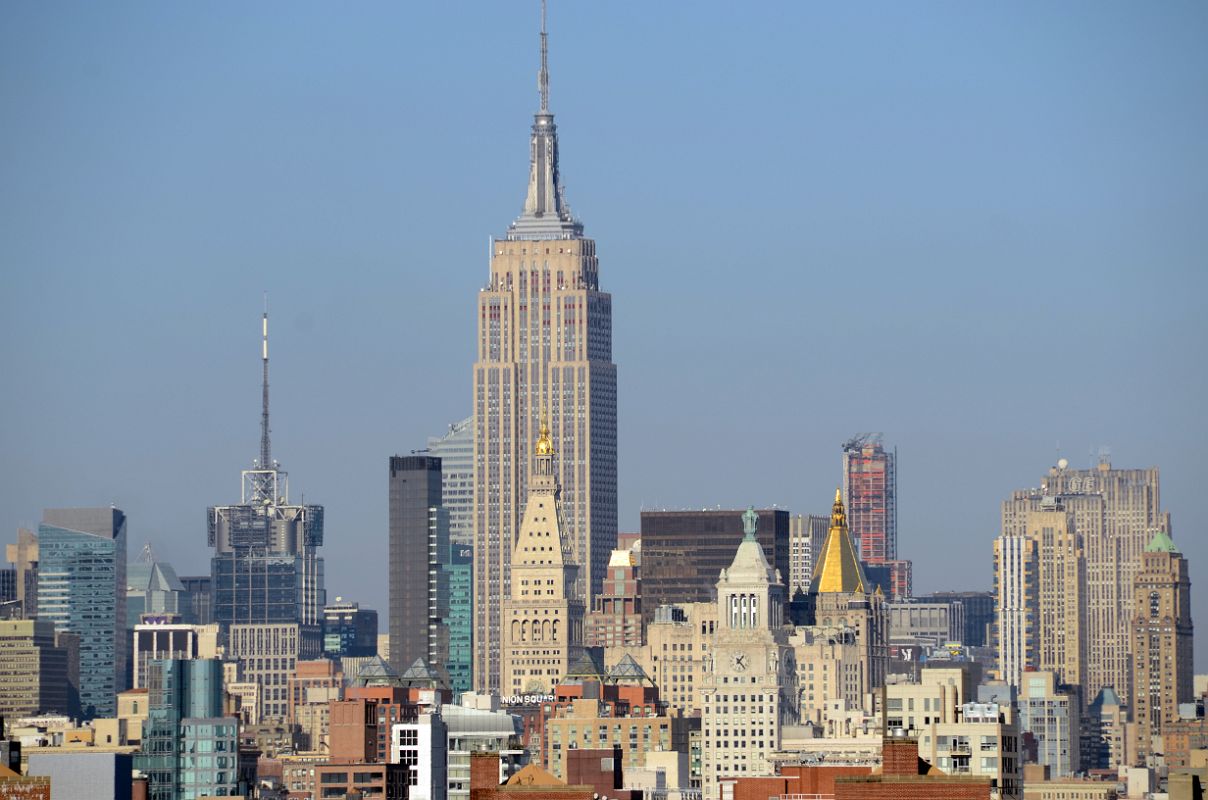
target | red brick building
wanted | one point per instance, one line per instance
(600, 770)
(902, 776)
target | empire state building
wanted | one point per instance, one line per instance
(544, 350)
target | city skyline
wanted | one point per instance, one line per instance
(1093, 261)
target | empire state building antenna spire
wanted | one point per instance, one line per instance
(265, 450)
(546, 213)
(543, 75)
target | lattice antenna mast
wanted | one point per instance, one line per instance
(265, 449)
(543, 75)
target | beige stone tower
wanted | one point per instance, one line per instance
(840, 598)
(542, 621)
(1115, 512)
(1061, 595)
(750, 688)
(544, 342)
(1161, 640)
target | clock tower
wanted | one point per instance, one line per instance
(749, 692)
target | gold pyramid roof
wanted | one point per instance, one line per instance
(837, 567)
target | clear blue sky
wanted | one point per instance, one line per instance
(981, 228)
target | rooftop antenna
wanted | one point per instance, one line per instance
(543, 75)
(265, 462)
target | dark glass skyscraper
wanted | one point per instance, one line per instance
(266, 567)
(418, 527)
(82, 589)
(683, 552)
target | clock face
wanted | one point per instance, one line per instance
(739, 662)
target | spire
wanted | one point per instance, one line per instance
(837, 568)
(543, 75)
(265, 450)
(546, 213)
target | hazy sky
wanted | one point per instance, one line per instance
(981, 228)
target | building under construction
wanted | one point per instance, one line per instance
(870, 485)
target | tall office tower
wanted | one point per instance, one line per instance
(184, 719)
(1161, 640)
(870, 483)
(349, 630)
(806, 535)
(750, 693)
(1115, 512)
(24, 557)
(542, 619)
(544, 348)
(1040, 580)
(266, 566)
(82, 589)
(419, 545)
(684, 551)
(33, 670)
(456, 453)
(1061, 595)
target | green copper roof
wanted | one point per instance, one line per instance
(1161, 543)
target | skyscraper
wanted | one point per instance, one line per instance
(1040, 578)
(33, 670)
(1161, 640)
(82, 589)
(544, 347)
(419, 543)
(1114, 513)
(266, 567)
(456, 453)
(870, 483)
(684, 551)
(189, 748)
(543, 623)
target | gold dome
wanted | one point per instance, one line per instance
(544, 446)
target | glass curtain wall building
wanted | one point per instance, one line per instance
(82, 590)
(266, 567)
(189, 749)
